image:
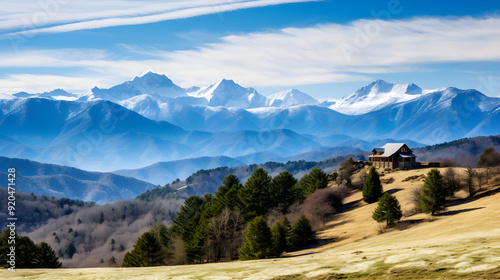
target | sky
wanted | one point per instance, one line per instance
(327, 49)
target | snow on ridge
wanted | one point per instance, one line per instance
(289, 98)
(376, 96)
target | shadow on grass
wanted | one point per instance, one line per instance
(451, 213)
(474, 198)
(393, 191)
(349, 206)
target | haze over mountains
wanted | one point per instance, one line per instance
(150, 119)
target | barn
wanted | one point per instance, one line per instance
(393, 155)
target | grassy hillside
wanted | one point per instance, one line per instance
(461, 243)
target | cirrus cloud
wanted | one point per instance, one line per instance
(289, 57)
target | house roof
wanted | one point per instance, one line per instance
(389, 149)
(407, 156)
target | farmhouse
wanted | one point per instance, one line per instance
(393, 155)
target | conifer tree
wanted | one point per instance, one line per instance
(46, 257)
(258, 240)
(254, 195)
(227, 193)
(279, 238)
(26, 252)
(282, 191)
(309, 183)
(372, 188)
(433, 197)
(301, 233)
(388, 210)
(147, 252)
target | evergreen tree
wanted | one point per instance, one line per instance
(282, 191)
(46, 257)
(26, 253)
(309, 183)
(301, 233)
(131, 259)
(227, 193)
(163, 235)
(433, 197)
(147, 252)
(372, 188)
(388, 209)
(254, 195)
(258, 240)
(4, 248)
(489, 158)
(279, 238)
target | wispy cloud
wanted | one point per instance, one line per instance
(294, 56)
(58, 16)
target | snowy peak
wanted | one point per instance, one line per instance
(413, 89)
(150, 83)
(375, 96)
(291, 97)
(227, 93)
(58, 94)
(152, 80)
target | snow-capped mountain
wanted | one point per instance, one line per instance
(227, 93)
(58, 94)
(437, 116)
(375, 96)
(148, 83)
(6, 96)
(291, 97)
(166, 122)
(102, 135)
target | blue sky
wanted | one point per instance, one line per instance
(324, 48)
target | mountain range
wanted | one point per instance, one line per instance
(150, 119)
(73, 183)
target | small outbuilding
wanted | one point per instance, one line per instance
(393, 155)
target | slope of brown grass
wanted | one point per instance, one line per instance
(461, 243)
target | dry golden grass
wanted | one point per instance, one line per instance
(462, 243)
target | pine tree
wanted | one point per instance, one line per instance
(26, 253)
(131, 260)
(254, 195)
(46, 257)
(4, 248)
(258, 240)
(164, 237)
(279, 238)
(433, 197)
(388, 209)
(309, 183)
(227, 193)
(301, 233)
(372, 188)
(282, 191)
(147, 252)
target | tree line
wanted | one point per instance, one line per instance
(27, 253)
(239, 221)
